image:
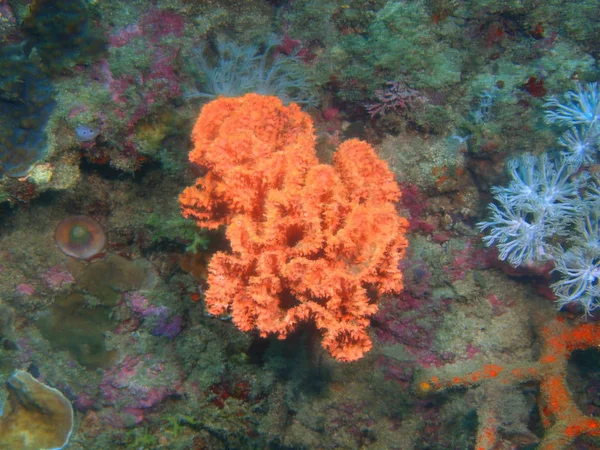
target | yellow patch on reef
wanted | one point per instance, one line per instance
(150, 134)
(35, 416)
(424, 387)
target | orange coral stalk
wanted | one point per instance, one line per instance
(560, 416)
(307, 239)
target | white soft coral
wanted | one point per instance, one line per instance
(539, 203)
(580, 107)
(580, 111)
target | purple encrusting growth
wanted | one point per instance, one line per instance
(168, 325)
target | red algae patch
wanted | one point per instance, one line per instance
(80, 237)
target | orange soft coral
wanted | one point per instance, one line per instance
(249, 145)
(309, 241)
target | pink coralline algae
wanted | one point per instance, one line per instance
(415, 201)
(411, 321)
(159, 23)
(137, 92)
(84, 402)
(25, 289)
(123, 35)
(156, 24)
(158, 85)
(138, 303)
(57, 278)
(500, 305)
(471, 257)
(135, 385)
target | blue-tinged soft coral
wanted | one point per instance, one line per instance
(548, 211)
(26, 102)
(538, 204)
(240, 69)
(62, 33)
(580, 107)
(580, 110)
(53, 36)
(579, 268)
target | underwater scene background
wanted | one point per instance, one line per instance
(296, 224)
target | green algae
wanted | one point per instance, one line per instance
(79, 320)
(108, 278)
(71, 325)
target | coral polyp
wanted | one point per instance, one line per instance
(80, 237)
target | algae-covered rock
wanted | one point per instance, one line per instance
(35, 416)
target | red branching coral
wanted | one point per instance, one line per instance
(561, 418)
(309, 241)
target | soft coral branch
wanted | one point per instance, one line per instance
(309, 241)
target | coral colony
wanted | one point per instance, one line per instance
(550, 209)
(316, 233)
(80, 237)
(280, 225)
(35, 416)
(242, 69)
